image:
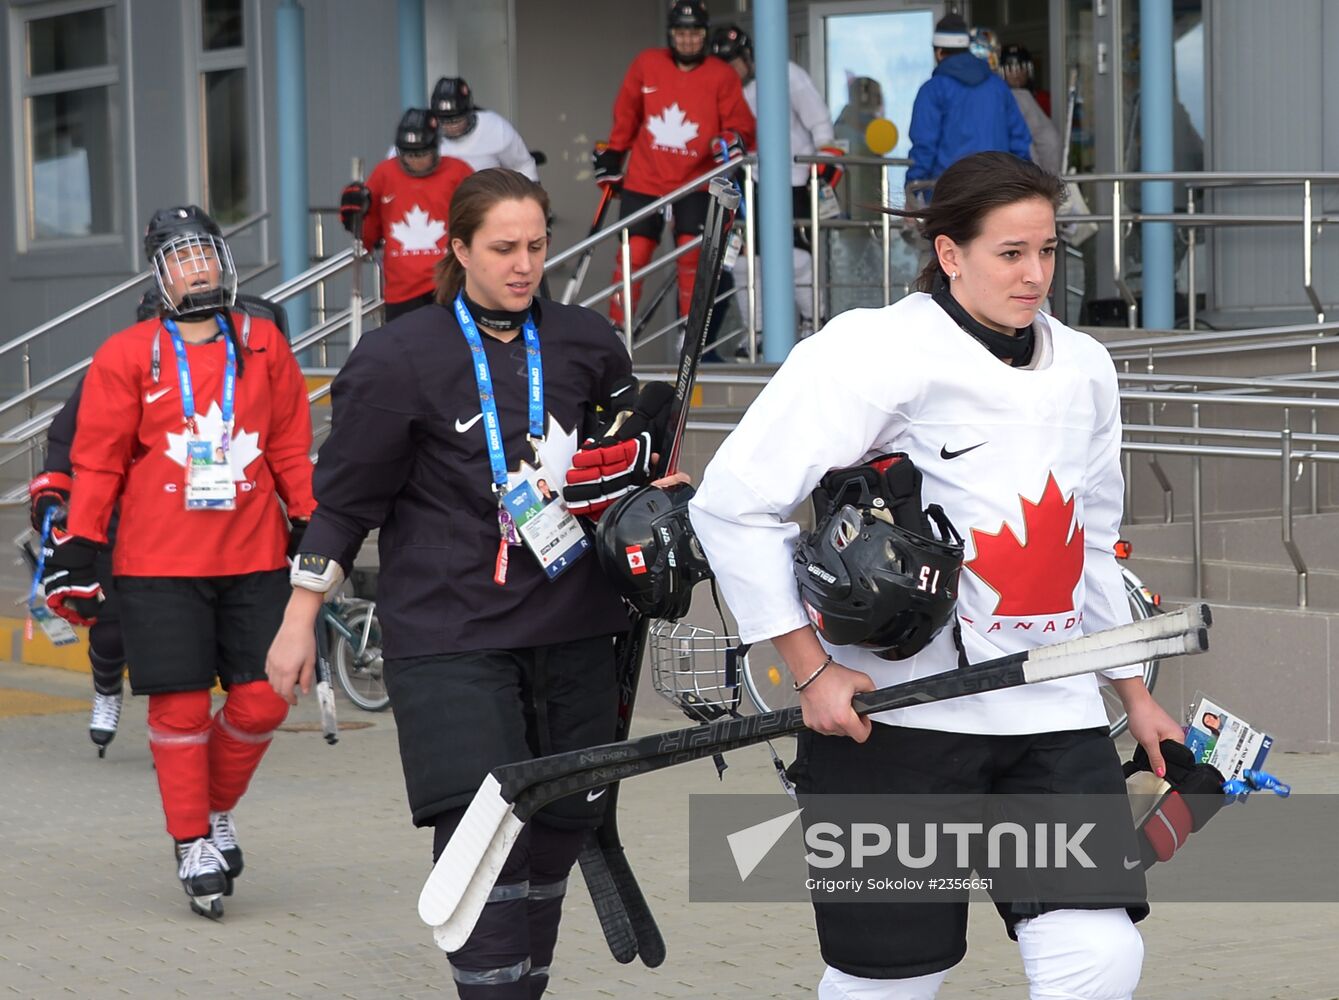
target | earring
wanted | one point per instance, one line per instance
(953, 276)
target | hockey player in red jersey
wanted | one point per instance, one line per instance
(406, 203)
(198, 431)
(673, 105)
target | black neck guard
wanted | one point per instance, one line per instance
(499, 320)
(1016, 349)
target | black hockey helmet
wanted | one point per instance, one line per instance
(730, 41)
(687, 14)
(191, 262)
(453, 104)
(417, 134)
(647, 548)
(878, 571)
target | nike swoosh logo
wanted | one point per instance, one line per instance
(386, 199)
(648, 90)
(1129, 865)
(592, 796)
(462, 428)
(945, 454)
(153, 397)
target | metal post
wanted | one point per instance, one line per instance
(1197, 508)
(1319, 307)
(1191, 289)
(751, 265)
(625, 251)
(356, 272)
(291, 127)
(771, 48)
(814, 239)
(1155, 156)
(412, 53)
(1286, 513)
(886, 225)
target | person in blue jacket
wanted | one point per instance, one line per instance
(962, 109)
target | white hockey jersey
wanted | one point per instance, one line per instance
(493, 142)
(810, 123)
(1025, 462)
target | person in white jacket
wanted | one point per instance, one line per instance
(810, 132)
(1013, 420)
(1016, 68)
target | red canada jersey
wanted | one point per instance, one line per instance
(412, 215)
(130, 445)
(668, 116)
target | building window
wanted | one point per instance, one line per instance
(225, 119)
(68, 79)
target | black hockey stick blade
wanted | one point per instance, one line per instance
(458, 887)
(325, 693)
(607, 900)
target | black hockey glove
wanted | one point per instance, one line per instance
(72, 588)
(48, 490)
(617, 460)
(1176, 806)
(353, 207)
(608, 165)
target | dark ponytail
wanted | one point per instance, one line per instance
(476, 194)
(970, 190)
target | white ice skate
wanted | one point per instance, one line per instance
(202, 872)
(223, 835)
(105, 718)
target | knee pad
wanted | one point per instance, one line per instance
(105, 646)
(179, 717)
(1081, 955)
(252, 710)
(838, 985)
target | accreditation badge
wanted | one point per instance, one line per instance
(209, 482)
(553, 536)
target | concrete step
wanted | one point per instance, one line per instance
(1251, 540)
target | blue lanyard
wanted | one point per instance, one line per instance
(184, 375)
(41, 554)
(483, 378)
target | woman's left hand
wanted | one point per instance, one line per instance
(1150, 724)
(674, 480)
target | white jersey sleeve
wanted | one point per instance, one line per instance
(809, 107)
(512, 151)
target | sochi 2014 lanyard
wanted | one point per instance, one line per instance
(497, 459)
(184, 377)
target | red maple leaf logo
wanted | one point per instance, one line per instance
(1038, 576)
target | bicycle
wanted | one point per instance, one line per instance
(356, 651)
(767, 683)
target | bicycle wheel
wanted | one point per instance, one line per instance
(767, 681)
(358, 663)
(1141, 607)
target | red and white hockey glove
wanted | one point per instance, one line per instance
(618, 459)
(1175, 806)
(727, 146)
(354, 202)
(831, 173)
(47, 490)
(71, 585)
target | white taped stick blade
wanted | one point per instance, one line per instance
(325, 698)
(452, 933)
(464, 853)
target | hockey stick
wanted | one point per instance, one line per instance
(575, 282)
(604, 863)
(459, 884)
(356, 271)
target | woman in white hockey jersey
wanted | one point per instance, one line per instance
(1013, 421)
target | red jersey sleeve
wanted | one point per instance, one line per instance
(735, 112)
(628, 110)
(288, 451)
(104, 439)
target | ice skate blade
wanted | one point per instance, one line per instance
(208, 906)
(102, 750)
